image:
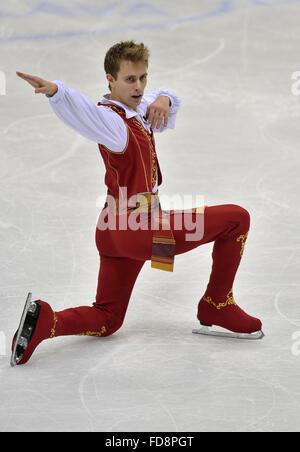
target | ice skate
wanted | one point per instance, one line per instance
(232, 320)
(211, 330)
(36, 324)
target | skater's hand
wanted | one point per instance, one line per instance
(158, 111)
(41, 86)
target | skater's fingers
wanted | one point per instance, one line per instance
(20, 74)
(159, 118)
(163, 118)
(154, 118)
(27, 76)
(166, 118)
(31, 79)
(153, 115)
(158, 111)
(150, 115)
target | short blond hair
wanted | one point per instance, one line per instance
(124, 50)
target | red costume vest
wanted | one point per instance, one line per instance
(135, 167)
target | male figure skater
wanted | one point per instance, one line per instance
(122, 125)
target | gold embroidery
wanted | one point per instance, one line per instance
(151, 147)
(145, 174)
(54, 327)
(229, 300)
(243, 239)
(114, 107)
(94, 333)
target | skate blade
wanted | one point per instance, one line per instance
(205, 330)
(14, 361)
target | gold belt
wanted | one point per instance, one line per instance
(141, 202)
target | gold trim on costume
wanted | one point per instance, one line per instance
(93, 333)
(145, 173)
(54, 326)
(152, 152)
(243, 239)
(229, 300)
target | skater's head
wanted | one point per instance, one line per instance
(126, 65)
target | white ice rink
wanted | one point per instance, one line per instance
(236, 141)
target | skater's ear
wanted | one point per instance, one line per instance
(110, 79)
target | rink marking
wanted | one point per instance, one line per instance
(13, 125)
(136, 9)
(70, 152)
(196, 62)
(224, 7)
(276, 301)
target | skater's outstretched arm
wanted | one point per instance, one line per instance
(96, 123)
(41, 86)
(99, 123)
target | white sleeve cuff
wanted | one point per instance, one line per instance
(59, 93)
(175, 100)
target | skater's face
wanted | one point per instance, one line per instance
(129, 86)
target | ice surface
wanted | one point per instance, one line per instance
(236, 141)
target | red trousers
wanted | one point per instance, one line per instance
(123, 254)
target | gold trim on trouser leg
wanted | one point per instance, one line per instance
(242, 238)
(93, 333)
(54, 326)
(229, 300)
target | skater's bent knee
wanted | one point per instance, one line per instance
(242, 216)
(245, 218)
